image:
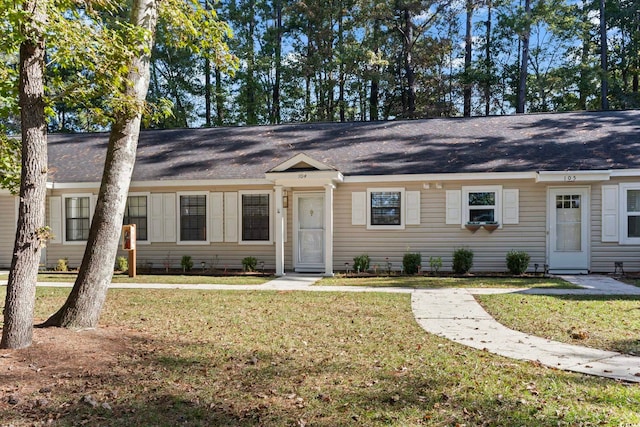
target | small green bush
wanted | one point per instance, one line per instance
(411, 263)
(462, 260)
(361, 263)
(62, 265)
(249, 263)
(122, 264)
(186, 262)
(517, 261)
(435, 263)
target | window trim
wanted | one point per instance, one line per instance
(624, 214)
(64, 216)
(403, 207)
(496, 189)
(148, 196)
(207, 215)
(271, 217)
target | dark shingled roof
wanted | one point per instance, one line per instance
(558, 142)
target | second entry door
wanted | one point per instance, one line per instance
(309, 235)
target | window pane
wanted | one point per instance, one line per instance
(633, 201)
(385, 208)
(77, 218)
(481, 215)
(136, 213)
(482, 199)
(568, 223)
(633, 226)
(255, 217)
(193, 218)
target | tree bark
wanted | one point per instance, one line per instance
(408, 64)
(604, 85)
(275, 109)
(487, 59)
(522, 81)
(84, 304)
(467, 60)
(17, 331)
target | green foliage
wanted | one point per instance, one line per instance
(411, 263)
(249, 263)
(435, 263)
(186, 263)
(122, 264)
(9, 163)
(361, 263)
(517, 261)
(462, 260)
(62, 265)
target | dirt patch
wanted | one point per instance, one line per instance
(59, 363)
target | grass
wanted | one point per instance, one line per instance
(317, 359)
(426, 282)
(159, 278)
(605, 322)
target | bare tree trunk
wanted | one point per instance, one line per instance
(17, 331)
(275, 109)
(84, 305)
(522, 81)
(487, 59)
(467, 61)
(207, 92)
(219, 99)
(604, 86)
(408, 65)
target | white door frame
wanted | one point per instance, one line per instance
(576, 262)
(316, 267)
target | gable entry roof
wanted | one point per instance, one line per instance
(537, 142)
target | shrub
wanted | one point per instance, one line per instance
(435, 263)
(122, 264)
(186, 262)
(411, 263)
(62, 265)
(361, 263)
(517, 261)
(462, 260)
(249, 263)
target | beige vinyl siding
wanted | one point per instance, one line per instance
(7, 229)
(434, 238)
(604, 254)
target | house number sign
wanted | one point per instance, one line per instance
(302, 175)
(570, 178)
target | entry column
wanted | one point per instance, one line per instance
(328, 229)
(279, 237)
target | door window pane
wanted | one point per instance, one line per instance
(568, 223)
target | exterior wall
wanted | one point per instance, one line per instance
(604, 254)
(7, 229)
(434, 238)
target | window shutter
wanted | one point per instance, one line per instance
(156, 218)
(170, 218)
(230, 217)
(413, 207)
(217, 216)
(453, 207)
(55, 218)
(511, 206)
(359, 208)
(610, 220)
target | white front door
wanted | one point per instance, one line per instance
(568, 218)
(309, 234)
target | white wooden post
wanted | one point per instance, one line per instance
(279, 237)
(328, 229)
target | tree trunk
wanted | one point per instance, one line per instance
(522, 81)
(487, 59)
(84, 304)
(467, 61)
(275, 109)
(408, 65)
(604, 86)
(17, 331)
(219, 99)
(207, 92)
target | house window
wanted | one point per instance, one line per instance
(77, 218)
(193, 217)
(385, 208)
(482, 204)
(632, 213)
(255, 217)
(135, 212)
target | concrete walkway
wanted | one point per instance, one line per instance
(455, 314)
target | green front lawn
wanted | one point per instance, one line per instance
(304, 358)
(425, 282)
(605, 322)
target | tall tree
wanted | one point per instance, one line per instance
(524, 59)
(17, 331)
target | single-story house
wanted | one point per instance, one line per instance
(564, 187)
